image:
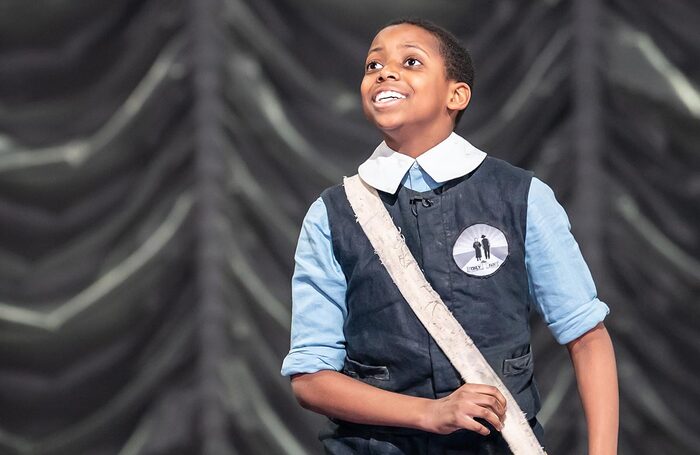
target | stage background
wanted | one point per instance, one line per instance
(157, 158)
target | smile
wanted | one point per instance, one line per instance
(387, 96)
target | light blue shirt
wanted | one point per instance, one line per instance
(560, 282)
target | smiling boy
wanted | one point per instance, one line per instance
(359, 355)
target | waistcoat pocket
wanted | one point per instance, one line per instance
(518, 377)
(517, 365)
(359, 370)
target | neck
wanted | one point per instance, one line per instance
(415, 144)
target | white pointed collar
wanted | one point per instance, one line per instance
(451, 158)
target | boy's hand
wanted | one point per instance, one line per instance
(459, 409)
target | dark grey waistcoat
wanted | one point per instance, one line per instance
(387, 346)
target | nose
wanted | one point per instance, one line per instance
(387, 72)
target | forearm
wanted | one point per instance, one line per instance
(337, 395)
(594, 363)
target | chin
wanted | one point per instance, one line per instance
(388, 124)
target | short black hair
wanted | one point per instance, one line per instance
(458, 62)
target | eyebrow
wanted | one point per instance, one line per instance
(415, 46)
(412, 46)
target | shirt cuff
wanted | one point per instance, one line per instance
(307, 360)
(579, 322)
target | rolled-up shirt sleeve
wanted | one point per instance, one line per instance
(318, 300)
(560, 281)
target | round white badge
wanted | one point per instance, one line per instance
(480, 250)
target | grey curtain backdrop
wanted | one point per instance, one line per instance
(157, 158)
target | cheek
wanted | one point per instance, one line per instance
(435, 94)
(365, 86)
(365, 101)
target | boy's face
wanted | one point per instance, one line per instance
(405, 82)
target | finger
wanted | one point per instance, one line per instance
(472, 425)
(488, 415)
(492, 403)
(489, 390)
(485, 401)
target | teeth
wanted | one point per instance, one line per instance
(388, 95)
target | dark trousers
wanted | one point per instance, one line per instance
(341, 438)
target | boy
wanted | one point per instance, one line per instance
(359, 355)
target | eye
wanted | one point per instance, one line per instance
(412, 62)
(373, 65)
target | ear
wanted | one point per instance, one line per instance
(459, 95)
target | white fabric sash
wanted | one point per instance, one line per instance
(448, 333)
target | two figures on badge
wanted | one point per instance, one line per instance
(477, 248)
(480, 249)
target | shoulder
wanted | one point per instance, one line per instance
(332, 192)
(503, 180)
(504, 169)
(336, 200)
(541, 199)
